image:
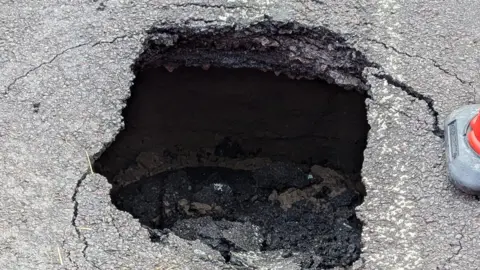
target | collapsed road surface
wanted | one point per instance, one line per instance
(237, 166)
(66, 76)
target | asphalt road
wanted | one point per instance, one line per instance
(70, 60)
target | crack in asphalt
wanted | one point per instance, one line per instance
(318, 2)
(115, 225)
(460, 247)
(9, 87)
(433, 61)
(436, 130)
(75, 214)
(68, 253)
(74, 221)
(202, 5)
(75, 203)
(393, 48)
(189, 20)
(15, 80)
(437, 65)
(110, 41)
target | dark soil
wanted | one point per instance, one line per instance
(281, 206)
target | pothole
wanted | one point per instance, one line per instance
(219, 145)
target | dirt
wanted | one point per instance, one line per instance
(249, 204)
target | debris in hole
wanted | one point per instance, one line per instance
(275, 206)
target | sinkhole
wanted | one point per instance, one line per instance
(247, 139)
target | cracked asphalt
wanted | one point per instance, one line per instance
(73, 59)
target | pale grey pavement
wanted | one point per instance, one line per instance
(74, 57)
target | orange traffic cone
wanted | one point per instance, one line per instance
(474, 134)
(462, 141)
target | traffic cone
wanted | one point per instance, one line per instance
(462, 142)
(474, 134)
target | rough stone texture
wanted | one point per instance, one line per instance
(73, 58)
(283, 47)
(238, 210)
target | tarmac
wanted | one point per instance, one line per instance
(65, 76)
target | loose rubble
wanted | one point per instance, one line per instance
(241, 204)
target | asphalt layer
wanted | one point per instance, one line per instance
(66, 75)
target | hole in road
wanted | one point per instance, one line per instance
(241, 159)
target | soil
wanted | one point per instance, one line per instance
(305, 212)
